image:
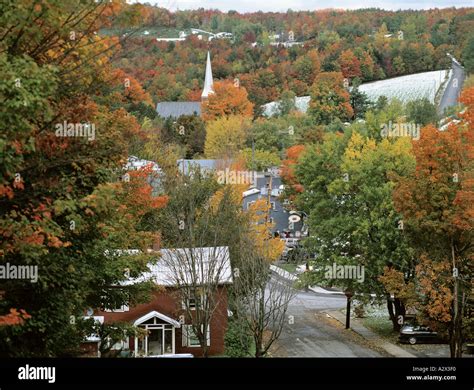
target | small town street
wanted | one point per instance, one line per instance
(313, 334)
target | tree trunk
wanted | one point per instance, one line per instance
(455, 331)
(395, 309)
(258, 346)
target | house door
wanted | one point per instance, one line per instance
(159, 341)
(155, 342)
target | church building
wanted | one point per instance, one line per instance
(177, 109)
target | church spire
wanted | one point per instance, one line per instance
(208, 81)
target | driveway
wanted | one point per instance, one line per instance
(312, 334)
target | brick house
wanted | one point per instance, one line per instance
(169, 333)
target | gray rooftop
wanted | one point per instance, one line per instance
(177, 109)
(185, 166)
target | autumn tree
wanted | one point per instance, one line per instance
(266, 246)
(63, 203)
(262, 299)
(292, 186)
(260, 160)
(307, 67)
(436, 201)
(329, 98)
(350, 65)
(188, 131)
(228, 99)
(202, 218)
(225, 136)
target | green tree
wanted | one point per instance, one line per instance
(359, 100)
(348, 196)
(422, 112)
(329, 99)
(286, 103)
(468, 55)
(188, 131)
(260, 160)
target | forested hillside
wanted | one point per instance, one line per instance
(368, 44)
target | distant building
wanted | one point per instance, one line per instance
(154, 179)
(187, 166)
(176, 109)
(278, 213)
(171, 39)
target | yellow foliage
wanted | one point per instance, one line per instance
(267, 246)
(226, 136)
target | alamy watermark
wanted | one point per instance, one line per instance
(37, 373)
(12, 271)
(229, 176)
(402, 129)
(345, 272)
(67, 129)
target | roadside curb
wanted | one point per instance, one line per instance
(357, 327)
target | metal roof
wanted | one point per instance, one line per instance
(177, 109)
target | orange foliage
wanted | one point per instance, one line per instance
(128, 88)
(436, 288)
(227, 99)
(350, 65)
(15, 317)
(138, 192)
(288, 167)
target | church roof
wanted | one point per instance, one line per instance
(176, 109)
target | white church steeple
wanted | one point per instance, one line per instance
(208, 81)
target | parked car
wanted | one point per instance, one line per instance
(414, 334)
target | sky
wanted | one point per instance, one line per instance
(283, 5)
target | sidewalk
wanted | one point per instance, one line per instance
(356, 326)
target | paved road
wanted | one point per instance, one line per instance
(312, 335)
(451, 93)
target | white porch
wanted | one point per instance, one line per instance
(161, 337)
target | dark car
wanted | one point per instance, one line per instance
(414, 334)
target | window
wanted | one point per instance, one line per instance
(188, 302)
(121, 309)
(192, 302)
(189, 338)
(249, 204)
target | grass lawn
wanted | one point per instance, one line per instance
(382, 326)
(289, 267)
